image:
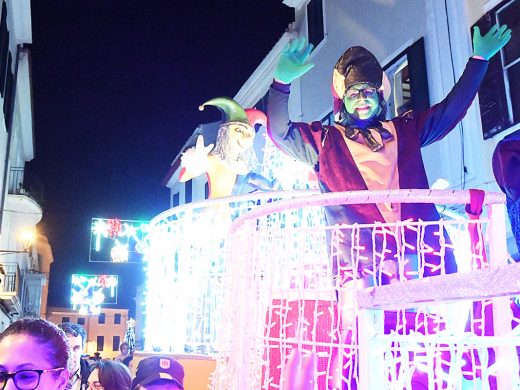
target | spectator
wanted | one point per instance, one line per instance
(127, 361)
(109, 375)
(159, 372)
(124, 349)
(79, 369)
(34, 354)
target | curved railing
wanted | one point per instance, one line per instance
(276, 295)
(184, 265)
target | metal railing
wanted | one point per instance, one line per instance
(16, 175)
(11, 278)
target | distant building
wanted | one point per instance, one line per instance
(23, 265)
(105, 331)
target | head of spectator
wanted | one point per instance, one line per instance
(77, 338)
(124, 349)
(109, 375)
(159, 372)
(34, 354)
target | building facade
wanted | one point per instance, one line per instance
(105, 331)
(22, 281)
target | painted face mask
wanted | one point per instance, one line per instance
(362, 101)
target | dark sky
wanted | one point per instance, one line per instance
(116, 86)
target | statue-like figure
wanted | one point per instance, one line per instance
(230, 163)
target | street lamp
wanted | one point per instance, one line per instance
(26, 238)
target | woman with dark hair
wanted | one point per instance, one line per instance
(34, 354)
(109, 375)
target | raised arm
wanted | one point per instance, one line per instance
(439, 120)
(286, 135)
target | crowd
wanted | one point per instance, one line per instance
(36, 354)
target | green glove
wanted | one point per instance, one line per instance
(292, 63)
(488, 45)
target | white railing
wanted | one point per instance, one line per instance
(276, 294)
(184, 266)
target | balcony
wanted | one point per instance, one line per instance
(10, 289)
(22, 209)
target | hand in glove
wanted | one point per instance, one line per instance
(292, 63)
(488, 45)
(194, 161)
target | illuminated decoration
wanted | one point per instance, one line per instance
(248, 279)
(186, 252)
(90, 292)
(117, 241)
(290, 173)
(184, 268)
(130, 334)
(114, 227)
(279, 300)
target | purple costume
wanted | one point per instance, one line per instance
(324, 148)
(506, 167)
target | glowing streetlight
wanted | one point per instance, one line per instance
(26, 237)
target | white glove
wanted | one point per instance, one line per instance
(195, 159)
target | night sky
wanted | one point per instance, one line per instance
(116, 86)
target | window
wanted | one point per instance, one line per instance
(115, 343)
(65, 319)
(499, 95)
(175, 199)
(206, 190)
(187, 194)
(100, 343)
(8, 91)
(407, 76)
(315, 29)
(101, 318)
(117, 318)
(81, 321)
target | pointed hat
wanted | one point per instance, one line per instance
(231, 110)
